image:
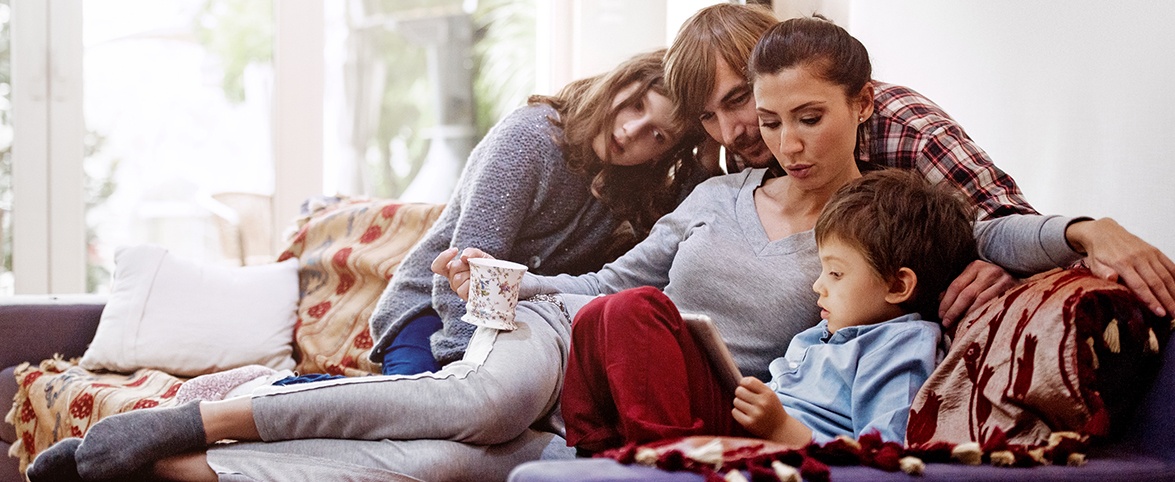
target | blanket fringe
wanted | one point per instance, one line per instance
(724, 458)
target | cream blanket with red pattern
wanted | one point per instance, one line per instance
(57, 399)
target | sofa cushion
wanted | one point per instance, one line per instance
(188, 318)
(347, 252)
(1065, 351)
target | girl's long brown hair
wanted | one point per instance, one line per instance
(638, 195)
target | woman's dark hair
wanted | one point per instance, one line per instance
(813, 42)
(638, 195)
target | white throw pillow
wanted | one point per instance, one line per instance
(189, 319)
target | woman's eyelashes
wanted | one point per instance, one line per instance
(772, 123)
(809, 116)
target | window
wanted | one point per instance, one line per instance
(177, 105)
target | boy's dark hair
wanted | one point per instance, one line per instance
(898, 219)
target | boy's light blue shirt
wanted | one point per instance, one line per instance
(858, 379)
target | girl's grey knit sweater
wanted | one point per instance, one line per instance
(516, 200)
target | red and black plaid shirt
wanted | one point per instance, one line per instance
(909, 131)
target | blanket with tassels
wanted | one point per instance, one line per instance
(736, 459)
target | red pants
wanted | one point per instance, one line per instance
(635, 374)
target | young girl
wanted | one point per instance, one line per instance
(561, 185)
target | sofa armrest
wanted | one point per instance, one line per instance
(35, 327)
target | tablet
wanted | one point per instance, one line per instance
(706, 334)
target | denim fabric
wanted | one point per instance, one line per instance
(410, 352)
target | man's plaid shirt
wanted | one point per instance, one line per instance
(909, 131)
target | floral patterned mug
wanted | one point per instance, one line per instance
(493, 293)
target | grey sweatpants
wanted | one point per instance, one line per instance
(469, 421)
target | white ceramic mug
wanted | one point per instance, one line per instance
(493, 293)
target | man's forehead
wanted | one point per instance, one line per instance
(727, 84)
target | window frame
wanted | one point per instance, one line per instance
(48, 212)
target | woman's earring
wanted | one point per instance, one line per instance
(860, 119)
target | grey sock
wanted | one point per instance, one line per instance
(119, 445)
(56, 463)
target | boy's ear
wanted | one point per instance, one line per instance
(901, 287)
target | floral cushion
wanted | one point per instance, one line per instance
(57, 399)
(1065, 351)
(347, 253)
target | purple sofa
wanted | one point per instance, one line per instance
(34, 328)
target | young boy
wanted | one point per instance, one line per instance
(888, 243)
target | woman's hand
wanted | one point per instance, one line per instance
(456, 268)
(979, 283)
(1113, 253)
(757, 408)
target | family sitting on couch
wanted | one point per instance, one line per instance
(598, 191)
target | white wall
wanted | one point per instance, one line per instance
(835, 10)
(581, 38)
(1073, 98)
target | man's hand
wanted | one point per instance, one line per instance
(456, 268)
(757, 408)
(1114, 254)
(979, 283)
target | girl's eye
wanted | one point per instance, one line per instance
(834, 274)
(810, 120)
(658, 136)
(766, 124)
